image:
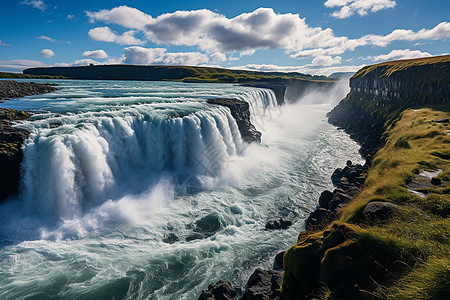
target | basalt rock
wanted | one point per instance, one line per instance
(263, 285)
(13, 89)
(279, 223)
(222, 290)
(241, 113)
(11, 140)
(378, 210)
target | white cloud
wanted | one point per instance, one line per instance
(4, 44)
(326, 60)
(218, 57)
(43, 37)
(399, 54)
(36, 4)
(261, 29)
(308, 69)
(104, 34)
(360, 7)
(146, 56)
(96, 54)
(18, 65)
(70, 17)
(47, 53)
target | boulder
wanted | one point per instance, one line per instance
(436, 181)
(336, 176)
(325, 198)
(379, 210)
(278, 224)
(318, 219)
(222, 290)
(278, 263)
(205, 227)
(263, 285)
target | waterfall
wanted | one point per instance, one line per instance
(91, 156)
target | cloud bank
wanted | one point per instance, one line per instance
(261, 29)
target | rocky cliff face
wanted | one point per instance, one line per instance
(11, 140)
(380, 92)
(410, 82)
(241, 113)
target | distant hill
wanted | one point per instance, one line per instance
(173, 73)
(27, 76)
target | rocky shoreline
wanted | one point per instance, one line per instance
(13, 89)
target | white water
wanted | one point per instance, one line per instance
(112, 169)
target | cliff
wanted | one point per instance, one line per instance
(379, 93)
(241, 113)
(11, 140)
(389, 238)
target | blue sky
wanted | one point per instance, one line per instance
(317, 37)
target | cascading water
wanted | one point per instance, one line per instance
(137, 190)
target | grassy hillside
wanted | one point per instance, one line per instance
(387, 69)
(174, 73)
(404, 257)
(27, 76)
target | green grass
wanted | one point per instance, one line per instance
(408, 255)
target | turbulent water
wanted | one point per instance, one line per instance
(142, 190)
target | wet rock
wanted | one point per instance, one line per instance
(222, 290)
(241, 113)
(205, 227)
(170, 238)
(263, 285)
(11, 140)
(336, 176)
(278, 224)
(379, 210)
(325, 198)
(279, 260)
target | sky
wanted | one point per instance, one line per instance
(317, 37)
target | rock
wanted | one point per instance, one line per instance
(318, 219)
(11, 140)
(442, 121)
(205, 227)
(336, 176)
(170, 238)
(279, 260)
(436, 181)
(337, 266)
(13, 89)
(378, 210)
(263, 285)
(325, 198)
(241, 113)
(278, 224)
(222, 290)
(349, 163)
